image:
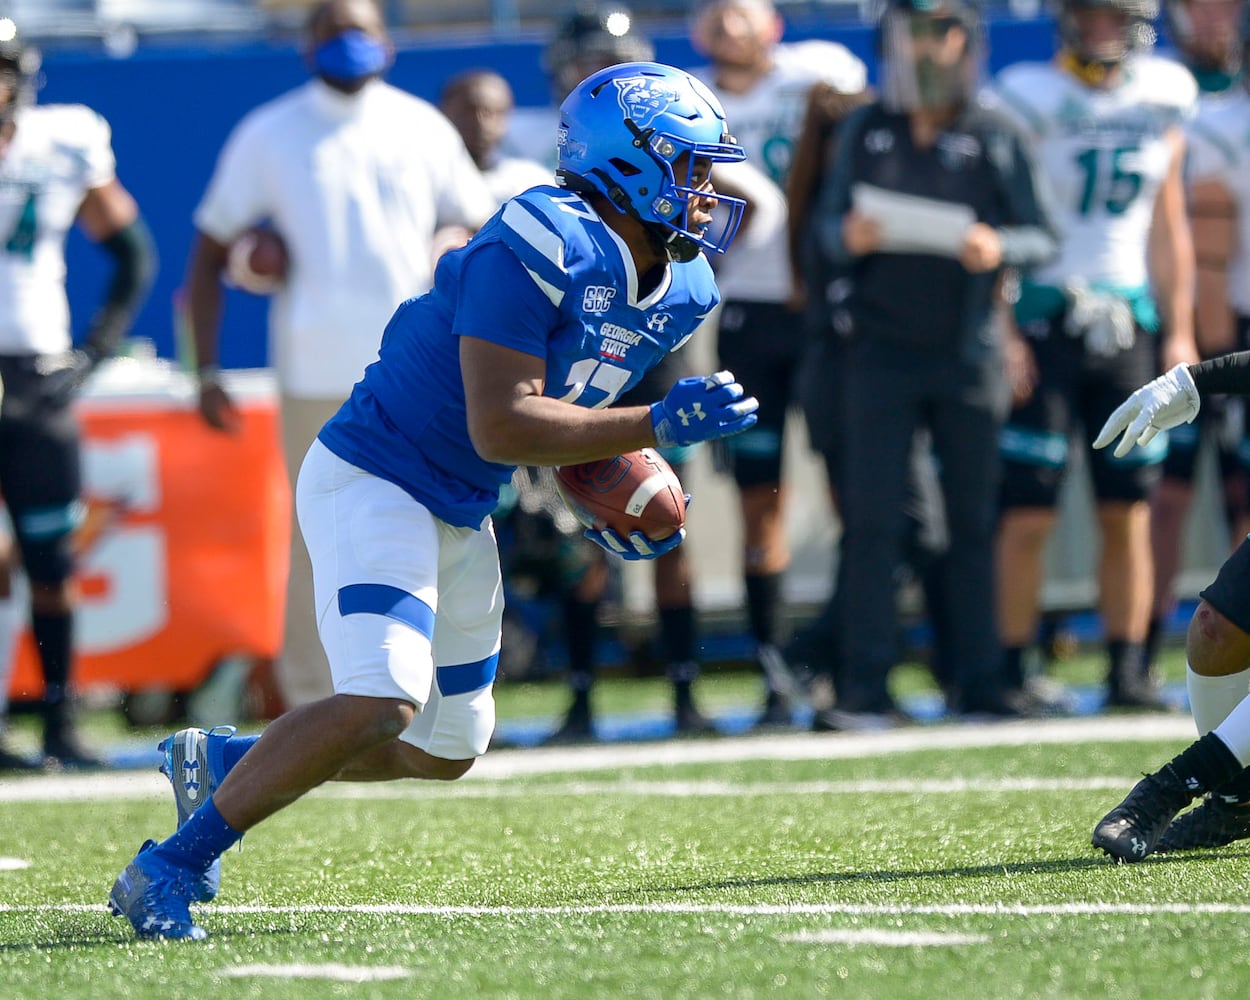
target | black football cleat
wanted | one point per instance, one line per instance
(1213, 822)
(1132, 830)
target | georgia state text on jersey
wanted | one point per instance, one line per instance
(59, 152)
(1105, 155)
(546, 277)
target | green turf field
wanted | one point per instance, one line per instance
(938, 861)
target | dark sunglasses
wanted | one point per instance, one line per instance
(934, 27)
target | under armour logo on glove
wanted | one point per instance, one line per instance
(702, 408)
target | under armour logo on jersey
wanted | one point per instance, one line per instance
(688, 415)
(642, 99)
(658, 321)
(957, 151)
(596, 299)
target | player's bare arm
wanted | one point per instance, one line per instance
(1213, 221)
(204, 295)
(109, 216)
(511, 422)
(1172, 260)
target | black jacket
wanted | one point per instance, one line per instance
(928, 301)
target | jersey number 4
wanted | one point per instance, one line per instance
(21, 241)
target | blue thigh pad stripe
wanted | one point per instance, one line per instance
(461, 678)
(390, 602)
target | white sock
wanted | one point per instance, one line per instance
(1211, 699)
(1234, 732)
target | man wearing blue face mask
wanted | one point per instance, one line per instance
(354, 176)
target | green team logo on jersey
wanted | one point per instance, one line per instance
(21, 240)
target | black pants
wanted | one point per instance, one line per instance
(890, 393)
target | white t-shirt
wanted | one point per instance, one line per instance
(532, 134)
(356, 186)
(508, 176)
(59, 152)
(767, 120)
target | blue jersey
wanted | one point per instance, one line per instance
(544, 276)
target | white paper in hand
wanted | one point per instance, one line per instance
(911, 224)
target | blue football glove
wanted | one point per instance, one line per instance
(702, 408)
(637, 546)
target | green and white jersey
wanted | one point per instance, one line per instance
(59, 152)
(766, 120)
(1219, 149)
(1105, 155)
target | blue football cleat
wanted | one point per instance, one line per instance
(194, 766)
(156, 896)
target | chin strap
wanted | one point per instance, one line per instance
(676, 246)
(1091, 72)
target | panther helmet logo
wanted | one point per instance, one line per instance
(642, 99)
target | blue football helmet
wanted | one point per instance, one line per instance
(623, 131)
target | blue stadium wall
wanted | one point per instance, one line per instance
(171, 109)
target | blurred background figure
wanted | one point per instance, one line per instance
(1206, 35)
(929, 197)
(587, 38)
(56, 170)
(764, 87)
(388, 169)
(1116, 303)
(14, 607)
(479, 103)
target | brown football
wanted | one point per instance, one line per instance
(637, 491)
(257, 261)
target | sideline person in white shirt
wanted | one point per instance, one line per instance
(355, 176)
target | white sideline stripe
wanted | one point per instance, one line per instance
(797, 746)
(888, 939)
(1079, 909)
(834, 746)
(13, 864)
(726, 789)
(339, 973)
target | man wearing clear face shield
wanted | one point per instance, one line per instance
(930, 197)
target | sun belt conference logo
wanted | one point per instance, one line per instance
(643, 99)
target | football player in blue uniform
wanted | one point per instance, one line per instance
(556, 307)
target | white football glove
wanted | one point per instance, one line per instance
(1168, 401)
(1103, 319)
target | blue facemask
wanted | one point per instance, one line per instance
(351, 56)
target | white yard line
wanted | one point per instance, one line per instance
(332, 971)
(1088, 908)
(598, 757)
(883, 938)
